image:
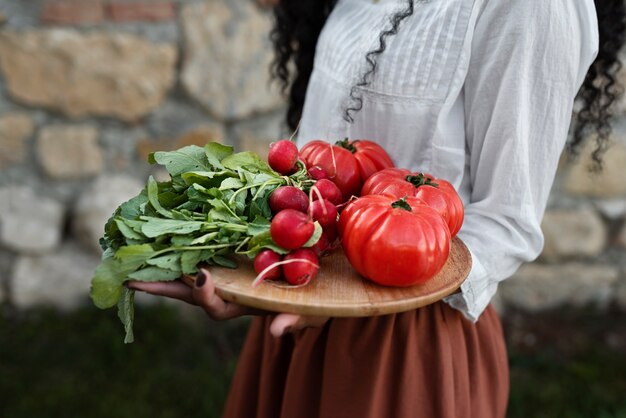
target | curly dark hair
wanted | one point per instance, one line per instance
(600, 89)
(298, 24)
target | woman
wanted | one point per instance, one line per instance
(479, 92)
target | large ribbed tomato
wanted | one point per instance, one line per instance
(437, 193)
(347, 163)
(394, 242)
(370, 157)
(338, 163)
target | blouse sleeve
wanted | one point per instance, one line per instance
(528, 60)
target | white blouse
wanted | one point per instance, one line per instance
(477, 92)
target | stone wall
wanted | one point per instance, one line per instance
(88, 88)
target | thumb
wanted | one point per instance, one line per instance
(284, 323)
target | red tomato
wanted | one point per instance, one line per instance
(370, 157)
(437, 193)
(338, 164)
(394, 242)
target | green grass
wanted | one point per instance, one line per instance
(54, 365)
(563, 364)
(567, 364)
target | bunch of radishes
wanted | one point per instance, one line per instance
(293, 225)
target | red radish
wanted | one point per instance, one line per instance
(291, 229)
(265, 259)
(282, 156)
(303, 268)
(324, 212)
(328, 190)
(317, 173)
(288, 197)
(331, 232)
(322, 246)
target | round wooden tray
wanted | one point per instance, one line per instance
(338, 290)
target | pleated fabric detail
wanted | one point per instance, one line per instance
(427, 363)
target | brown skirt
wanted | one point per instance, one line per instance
(430, 363)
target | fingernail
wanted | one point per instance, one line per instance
(200, 279)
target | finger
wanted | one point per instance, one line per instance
(284, 323)
(203, 293)
(174, 289)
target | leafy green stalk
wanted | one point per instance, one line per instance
(215, 205)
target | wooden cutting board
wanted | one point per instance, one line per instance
(338, 290)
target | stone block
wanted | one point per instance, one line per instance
(15, 129)
(70, 151)
(61, 279)
(72, 12)
(97, 203)
(227, 57)
(257, 135)
(87, 73)
(198, 135)
(29, 222)
(613, 209)
(154, 11)
(536, 287)
(573, 233)
(609, 183)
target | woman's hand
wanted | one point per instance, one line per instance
(202, 293)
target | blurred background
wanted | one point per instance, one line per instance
(88, 88)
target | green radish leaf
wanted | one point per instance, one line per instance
(153, 197)
(204, 239)
(239, 203)
(216, 152)
(169, 261)
(246, 161)
(189, 158)
(126, 230)
(222, 212)
(106, 285)
(231, 183)
(134, 224)
(200, 194)
(182, 240)
(132, 208)
(154, 274)
(193, 206)
(207, 179)
(170, 199)
(190, 260)
(260, 225)
(261, 241)
(126, 314)
(259, 208)
(154, 227)
(224, 261)
(132, 257)
(317, 233)
(262, 179)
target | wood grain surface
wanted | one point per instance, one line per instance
(339, 290)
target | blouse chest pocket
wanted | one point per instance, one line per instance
(418, 62)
